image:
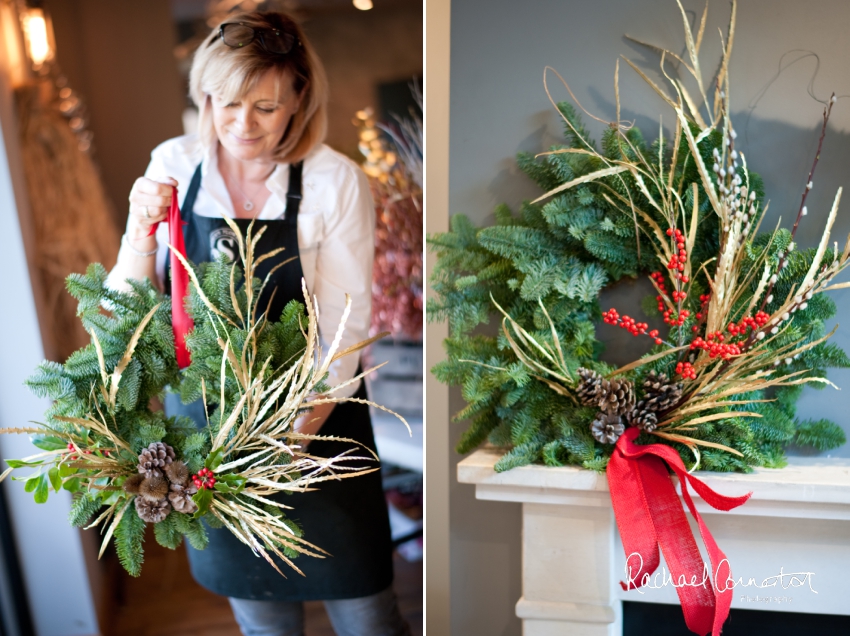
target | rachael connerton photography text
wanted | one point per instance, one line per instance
(662, 578)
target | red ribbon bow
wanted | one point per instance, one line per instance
(649, 514)
(181, 322)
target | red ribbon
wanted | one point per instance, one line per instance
(181, 322)
(649, 514)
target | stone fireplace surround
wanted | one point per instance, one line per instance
(797, 522)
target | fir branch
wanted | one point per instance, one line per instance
(129, 536)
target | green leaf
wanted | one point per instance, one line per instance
(203, 499)
(55, 479)
(72, 485)
(17, 463)
(32, 482)
(214, 459)
(48, 443)
(41, 489)
(231, 483)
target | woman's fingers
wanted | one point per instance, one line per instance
(153, 200)
(148, 214)
(150, 201)
(149, 186)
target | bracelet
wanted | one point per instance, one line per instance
(126, 242)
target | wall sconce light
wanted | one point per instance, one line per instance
(363, 5)
(13, 57)
(38, 31)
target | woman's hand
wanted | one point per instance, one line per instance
(149, 204)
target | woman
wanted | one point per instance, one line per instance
(261, 92)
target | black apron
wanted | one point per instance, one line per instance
(347, 518)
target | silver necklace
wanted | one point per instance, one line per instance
(249, 205)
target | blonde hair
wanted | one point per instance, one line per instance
(230, 73)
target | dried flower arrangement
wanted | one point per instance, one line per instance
(394, 168)
(128, 465)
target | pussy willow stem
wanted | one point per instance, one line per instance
(827, 111)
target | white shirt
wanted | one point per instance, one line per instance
(336, 231)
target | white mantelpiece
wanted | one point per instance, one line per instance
(798, 520)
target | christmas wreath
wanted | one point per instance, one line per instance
(129, 465)
(743, 310)
(744, 314)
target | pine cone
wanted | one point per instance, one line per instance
(154, 488)
(177, 473)
(181, 498)
(132, 483)
(154, 458)
(659, 393)
(643, 419)
(152, 511)
(619, 398)
(591, 387)
(607, 428)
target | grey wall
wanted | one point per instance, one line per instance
(498, 107)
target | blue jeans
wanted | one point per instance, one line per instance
(375, 615)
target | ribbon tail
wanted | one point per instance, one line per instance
(631, 511)
(687, 569)
(705, 606)
(181, 322)
(721, 570)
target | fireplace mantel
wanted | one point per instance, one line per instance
(798, 520)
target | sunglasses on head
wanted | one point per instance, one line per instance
(271, 40)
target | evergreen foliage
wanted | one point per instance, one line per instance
(821, 434)
(78, 392)
(193, 530)
(129, 535)
(166, 532)
(83, 508)
(255, 375)
(153, 367)
(279, 340)
(559, 254)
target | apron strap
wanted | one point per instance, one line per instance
(293, 194)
